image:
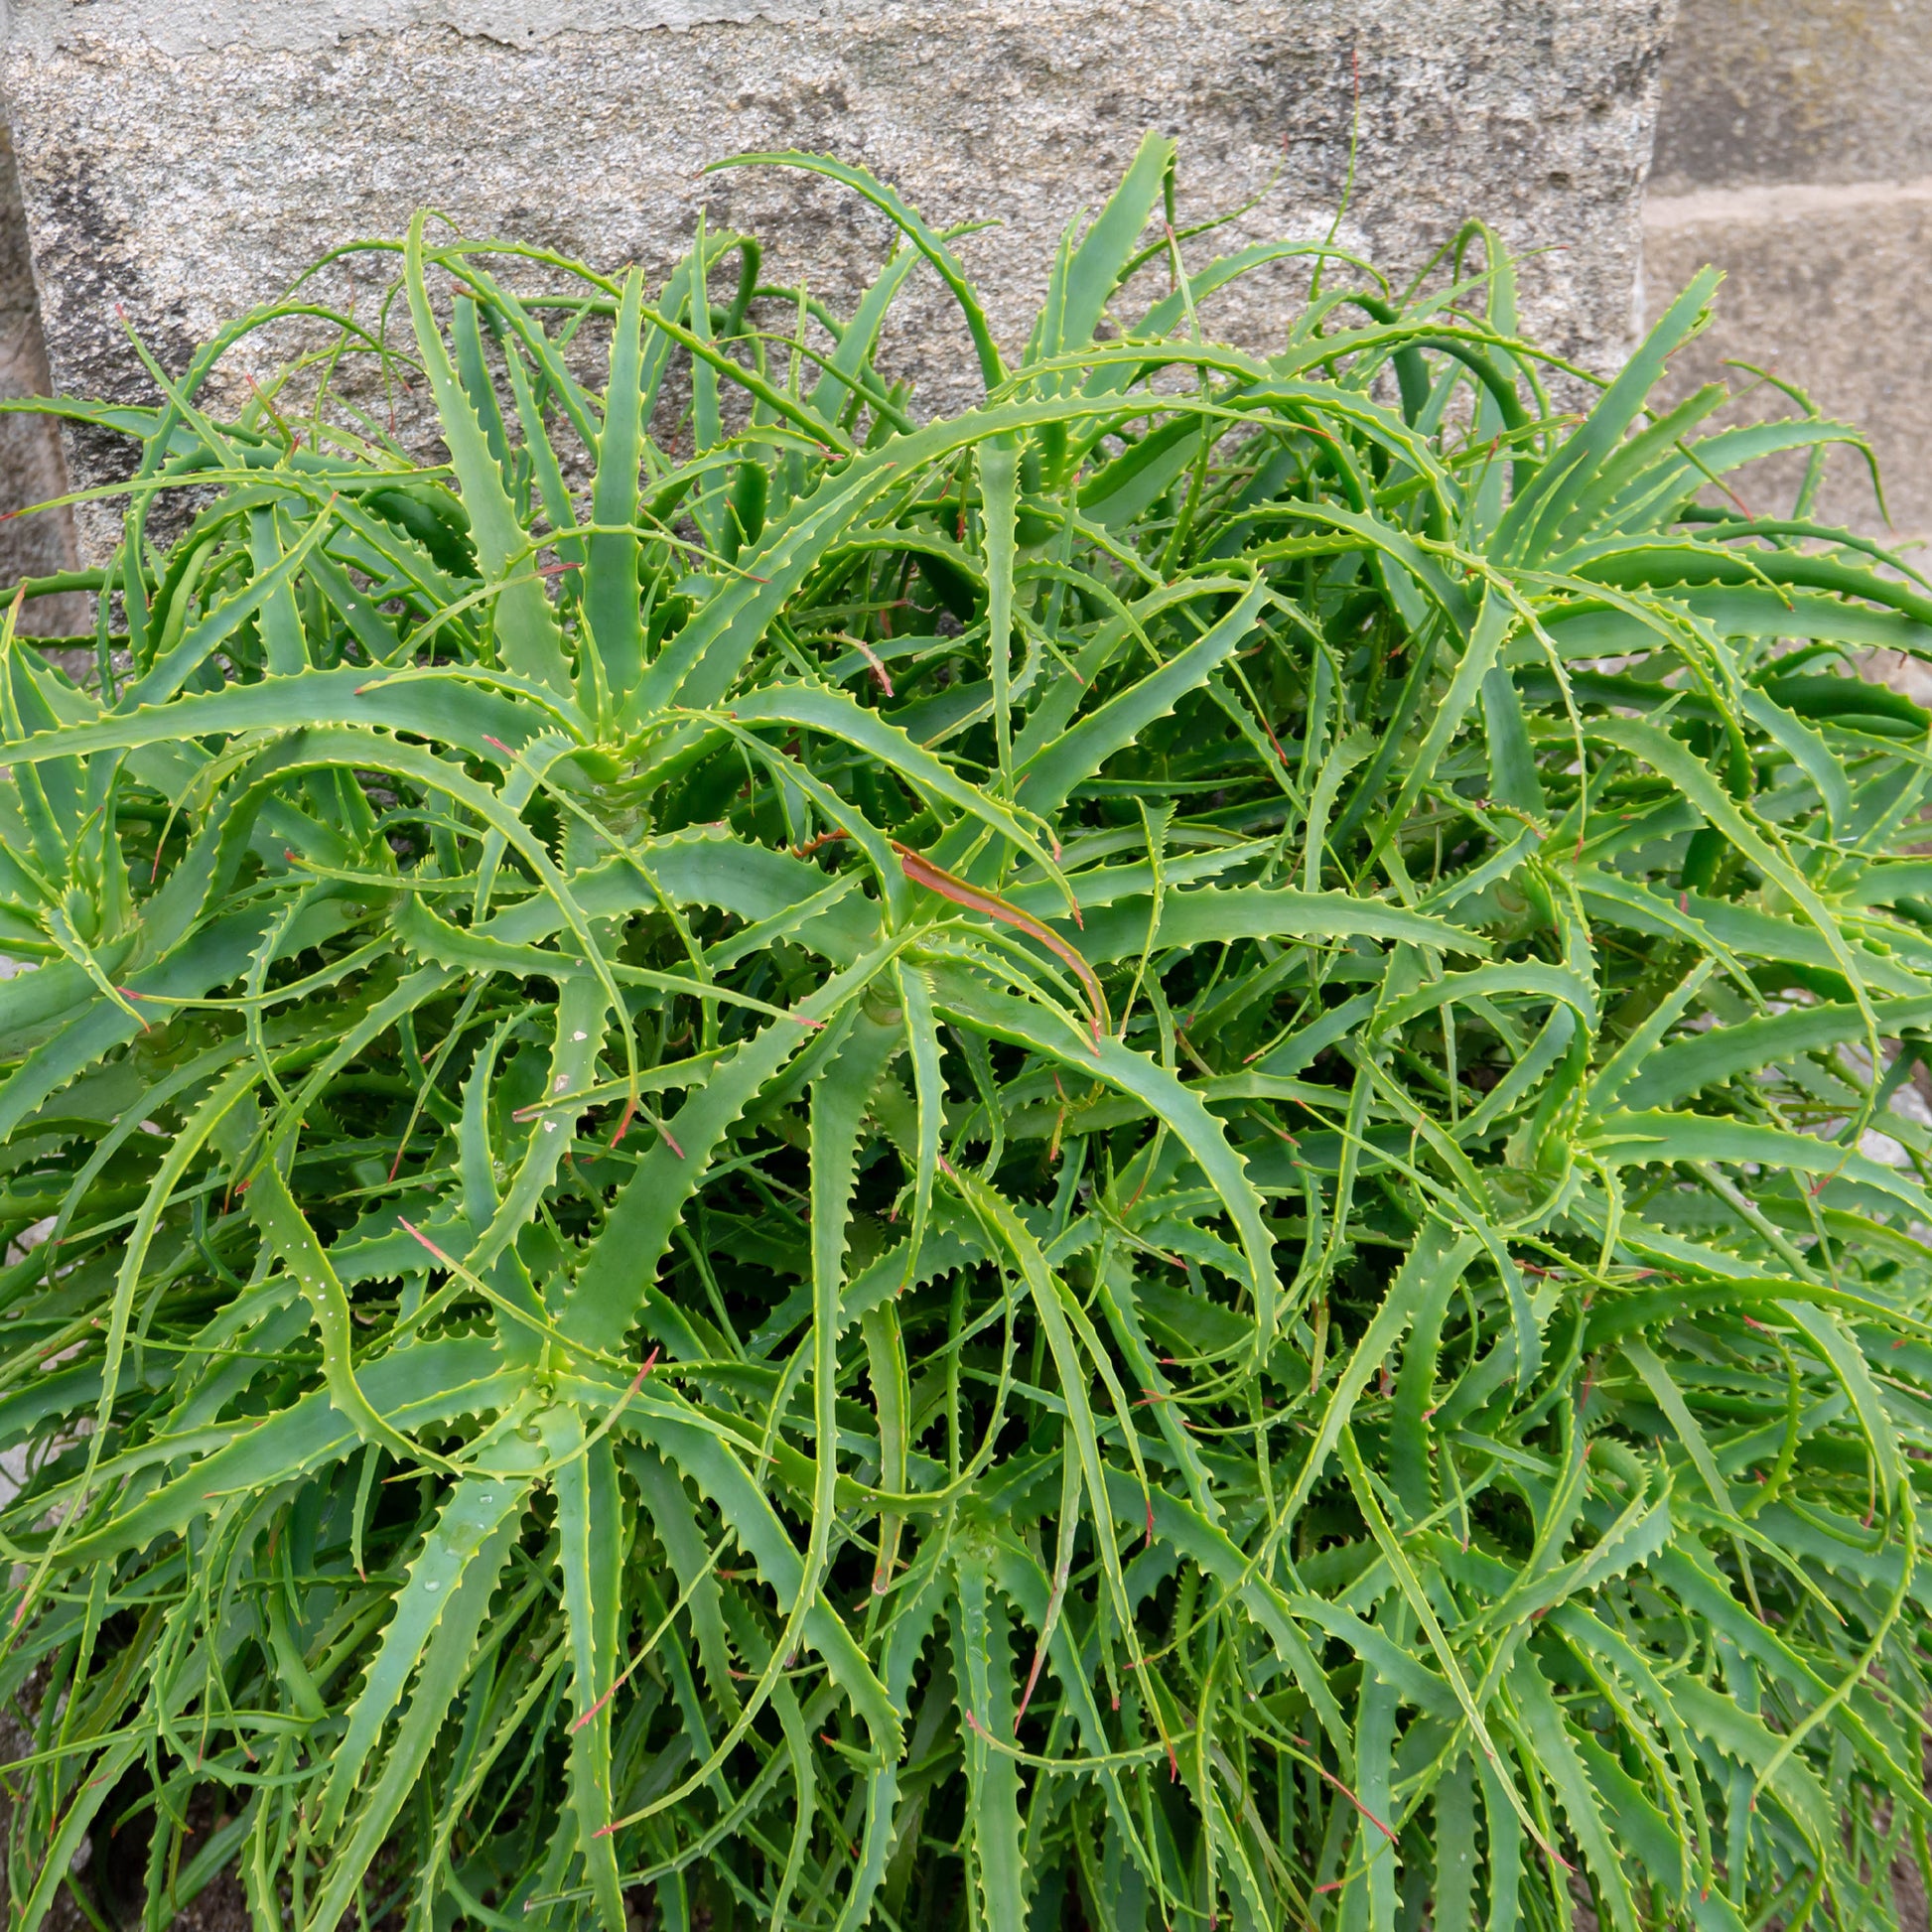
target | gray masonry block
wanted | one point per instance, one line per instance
(1829, 288)
(1795, 90)
(1794, 151)
(184, 158)
(31, 467)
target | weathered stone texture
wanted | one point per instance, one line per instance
(206, 26)
(1795, 90)
(31, 467)
(1794, 151)
(187, 184)
(1799, 297)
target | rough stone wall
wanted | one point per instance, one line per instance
(1794, 150)
(30, 465)
(187, 160)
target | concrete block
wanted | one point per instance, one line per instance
(1794, 150)
(1795, 90)
(32, 469)
(1832, 289)
(186, 161)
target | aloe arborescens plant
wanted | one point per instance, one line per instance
(1102, 1162)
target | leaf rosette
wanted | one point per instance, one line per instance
(1154, 1152)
